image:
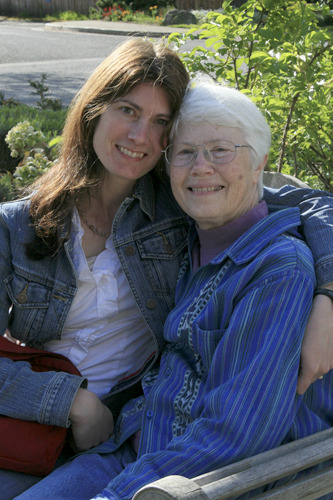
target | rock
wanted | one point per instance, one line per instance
(177, 16)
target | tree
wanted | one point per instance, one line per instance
(274, 51)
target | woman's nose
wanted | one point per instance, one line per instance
(201, 164)
(139, 131)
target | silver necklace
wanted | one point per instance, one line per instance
(91, 226)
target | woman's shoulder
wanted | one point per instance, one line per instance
(276, 245)
(11, 210)
(288, 253)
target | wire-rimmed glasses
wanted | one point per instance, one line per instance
(181, 154)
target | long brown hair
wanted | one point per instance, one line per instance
(134, 62)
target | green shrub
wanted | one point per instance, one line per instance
(274, 51)
(32, 168)
(23, 137)
(36, 157)
(41, 89)
(48, 121)
(146, 4)
(114, 10)
(68, 15)
(7, 190)
(7, 162)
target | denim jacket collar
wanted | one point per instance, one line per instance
(145, 193)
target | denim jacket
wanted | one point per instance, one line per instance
(149, 235)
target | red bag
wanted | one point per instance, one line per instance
(27, 446)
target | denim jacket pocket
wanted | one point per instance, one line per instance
(161, 254)
(31, 301)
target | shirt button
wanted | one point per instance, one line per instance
(151, 303)
(129, 250)
(149, 413)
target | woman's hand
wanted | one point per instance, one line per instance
(92, 421)
(317, 346)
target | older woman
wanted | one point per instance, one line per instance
(226, 387)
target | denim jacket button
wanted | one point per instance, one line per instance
(130, 251)
(22, 298)
(151, 303)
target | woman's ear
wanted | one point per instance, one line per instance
(258, 170)
(263, 163)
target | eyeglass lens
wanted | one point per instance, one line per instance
(181, 154)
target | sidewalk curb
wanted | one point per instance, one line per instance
(106, 31)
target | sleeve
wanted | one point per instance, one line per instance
(42, 397)
(5, 270)
(250, 400)
(317, 223)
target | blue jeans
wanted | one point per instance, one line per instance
(82, 478)
(14, 483)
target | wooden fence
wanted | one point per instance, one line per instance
(40, 8)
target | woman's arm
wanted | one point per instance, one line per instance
(317, 227)
(316, 209)
(317, 346)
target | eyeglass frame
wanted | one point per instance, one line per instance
(206, 152)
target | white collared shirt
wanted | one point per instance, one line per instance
(104, 334)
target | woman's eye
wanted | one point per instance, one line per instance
(219, 152)
(127, 110)
(184, 152)
(162, 121)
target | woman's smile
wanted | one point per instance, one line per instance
(130, 153)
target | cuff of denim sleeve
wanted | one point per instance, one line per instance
(324, 272)
(59, 397)
(84, 385)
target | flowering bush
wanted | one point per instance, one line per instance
(23, 137)
(115, 13)
(137, 11)
(153, 11)
(32, 168)
(37, 157)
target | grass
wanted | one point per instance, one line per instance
(68, 15)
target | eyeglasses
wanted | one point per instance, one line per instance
(220, 152)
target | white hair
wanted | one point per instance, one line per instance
(209, 102)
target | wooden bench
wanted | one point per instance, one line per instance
(234, 480)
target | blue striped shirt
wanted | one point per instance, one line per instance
(226, 386)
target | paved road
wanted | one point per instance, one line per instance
(67, 57)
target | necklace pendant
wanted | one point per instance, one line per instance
(92, 228)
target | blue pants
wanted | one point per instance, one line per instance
(82, 478)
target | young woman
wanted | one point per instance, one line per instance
(89, 261)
